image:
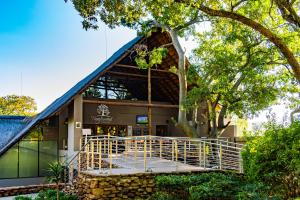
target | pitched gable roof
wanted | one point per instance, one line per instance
(10, 126)
(68, 96)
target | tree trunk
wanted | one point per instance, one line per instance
(181, 72)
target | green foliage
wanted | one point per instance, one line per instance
(274, 158)
(49, 195)
(17, 105)
(23, 198)
(214, 185)
(52, 195)
(154, 57)
(56, 171)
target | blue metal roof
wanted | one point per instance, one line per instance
(10, 126)
(69, 95)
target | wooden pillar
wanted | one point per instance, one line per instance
(149, 102)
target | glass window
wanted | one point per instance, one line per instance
(48, 154)
(9, 163)
(28, 158)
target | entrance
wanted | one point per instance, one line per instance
(162, 130)
(104, 129)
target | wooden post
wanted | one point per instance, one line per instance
(149, 102)
(79, 161)
(100, 156)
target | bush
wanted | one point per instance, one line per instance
(211, 185)
(274, 158)
(49, 195)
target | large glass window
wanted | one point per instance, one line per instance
(28, 158)
(9, 163)
(47, 154)
(32, 155)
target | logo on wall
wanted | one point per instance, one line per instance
(103, 114)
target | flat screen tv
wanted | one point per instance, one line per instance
(142, 119)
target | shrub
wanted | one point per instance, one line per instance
(23, 198)
(211, 185)
(274, 158)
(52, 195)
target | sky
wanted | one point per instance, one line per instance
(44, 51)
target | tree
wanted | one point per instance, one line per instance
(17, 105)
(236, 72)
(280, 23)
(145, 16)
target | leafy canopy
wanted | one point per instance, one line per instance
(17, 105)
(237, 68)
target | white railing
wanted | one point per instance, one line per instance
(105, 154)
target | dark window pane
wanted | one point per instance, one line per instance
(28, 158)
(9, 163)
(48, 154)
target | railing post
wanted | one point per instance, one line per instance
(220, 155)
(135, 149)
(240, 163)
(150, 147)
(145, 155)
(104, 147)
(184, 152)
(200, 152)
(92, 149)
(79, 161)
(87, 156)
(172, 150)
(100, 155)
(176, 154)
(160, 148)
(116, 148)
(110, 156)
(204, 154)
(126, 150)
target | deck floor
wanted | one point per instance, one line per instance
(131, 165)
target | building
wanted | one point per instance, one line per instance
(112, 100)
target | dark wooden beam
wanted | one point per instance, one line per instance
(126, 103)
(136, 67)
(131, 74)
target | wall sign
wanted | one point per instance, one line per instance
(103, 114)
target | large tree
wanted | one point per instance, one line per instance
(277, 20)
(236, 72)
(17, 105)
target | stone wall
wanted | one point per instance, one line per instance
(19, 190)
(135, 186)
(130, 186)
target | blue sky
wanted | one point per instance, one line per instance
(44, 41)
